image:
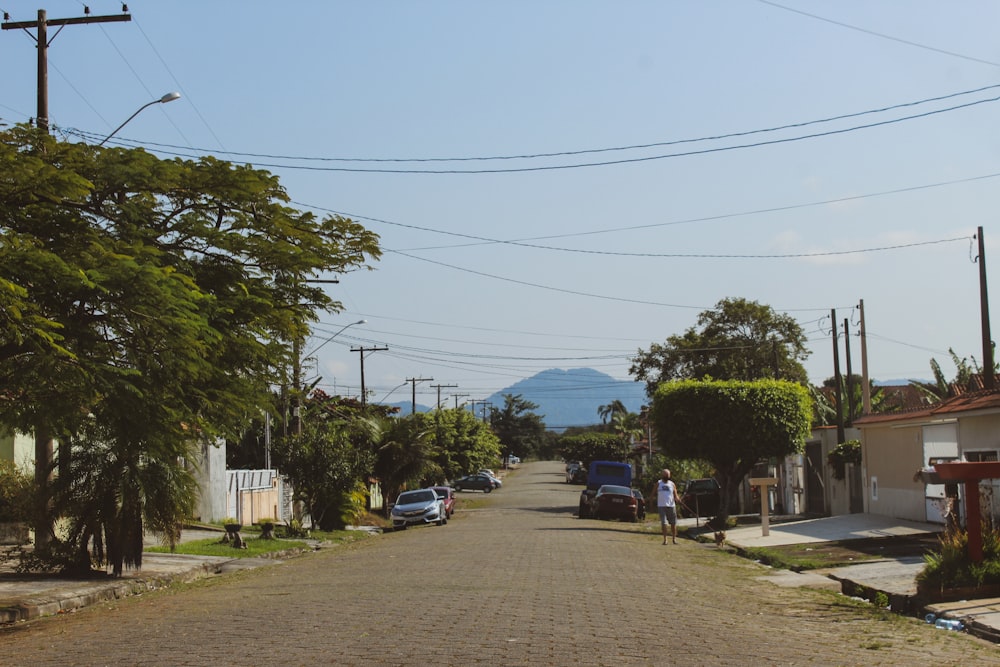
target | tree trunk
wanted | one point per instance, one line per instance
(43, 479)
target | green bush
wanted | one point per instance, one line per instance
(841, 455)
(951, 567)
(15, 493)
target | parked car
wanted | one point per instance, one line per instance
(447, 494)
(418, 507)
(701, 497)
(575, 473)
(640, 504)
(513, 460)
(474, 483)
(496, 480)
(614, 502)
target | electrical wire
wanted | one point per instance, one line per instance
(190, 99)
(617, 230)
(589, 151)
(880, 34)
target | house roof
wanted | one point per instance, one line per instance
(973, 398)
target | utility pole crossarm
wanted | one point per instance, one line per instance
(41, 24)
(439, 387)
(414, 381)
(362, 350)
(116, 18)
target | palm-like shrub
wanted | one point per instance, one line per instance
(111, 492)
(951, 567)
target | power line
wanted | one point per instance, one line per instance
(880, 34)
(481, 240)
(156, 147)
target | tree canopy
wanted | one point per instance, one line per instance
(594, 446)
(161, 298)
(731, 424)
(521, 431)
(737, 340)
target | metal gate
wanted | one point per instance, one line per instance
(815, 496)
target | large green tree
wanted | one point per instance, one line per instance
(595, 446)
(737, 340)
(463, 443)
(168, 290)
(521, 431)
(731, 424)
(326, 457)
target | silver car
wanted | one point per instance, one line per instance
(418, 507)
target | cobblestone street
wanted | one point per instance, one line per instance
(518, 581)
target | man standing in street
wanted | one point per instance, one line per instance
(667, 500)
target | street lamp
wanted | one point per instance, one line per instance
(298, 379)
(309, 354)
(169, 97)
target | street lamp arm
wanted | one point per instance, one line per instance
(315, 349)
(169, 97)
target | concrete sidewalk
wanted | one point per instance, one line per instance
(894, 577)
(29, 596)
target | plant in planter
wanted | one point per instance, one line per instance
(841, 455)
(233, 528)
(951, 574)
(267, 528)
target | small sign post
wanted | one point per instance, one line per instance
(764, 483)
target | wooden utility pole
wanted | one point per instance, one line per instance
(850, 379)
(866, 392)
(44, 444)
(989, 376)
(362, 350)
(837, 379)
(414, 381)
(42, 41)
(439, 387)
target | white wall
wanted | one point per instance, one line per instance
(211, 476)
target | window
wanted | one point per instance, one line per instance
(980, 456)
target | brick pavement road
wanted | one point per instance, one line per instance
(518, 581)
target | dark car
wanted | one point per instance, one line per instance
(701, 497)
(614, 502)
(482, 483)
(640, 504)
(447, 494)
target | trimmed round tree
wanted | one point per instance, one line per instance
(731, 424)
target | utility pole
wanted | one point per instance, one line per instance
(989, 376)
(414, 382)
(42, 41)
(866, 392)
(837, 379)
(850, 380)
(362, 350)
(437, 406)
(458, 396)
(44, 442)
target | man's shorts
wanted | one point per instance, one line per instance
(668, 515)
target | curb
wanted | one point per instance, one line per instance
(76, 597)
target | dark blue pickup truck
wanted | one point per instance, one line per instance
(600, 473)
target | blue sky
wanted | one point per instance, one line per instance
(496, 269)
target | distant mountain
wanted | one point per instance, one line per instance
(564, 397)
(572, 397)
